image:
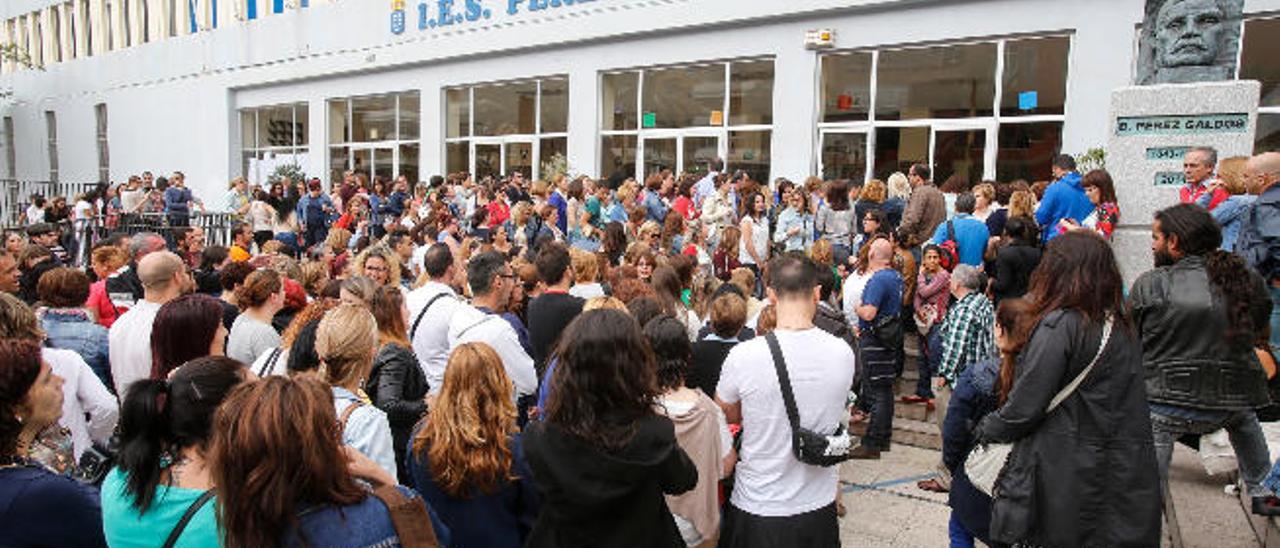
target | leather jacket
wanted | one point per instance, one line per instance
(1185, 353)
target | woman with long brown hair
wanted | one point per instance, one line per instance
(1085, 473)
(304, 491)
(468, 461)
(603, 457)
(396, 382)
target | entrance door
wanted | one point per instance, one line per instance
(959, 150)
(659, 153)
(518, 156)
(488, 160)
(687, 151)
(374, 162)
(844, 156)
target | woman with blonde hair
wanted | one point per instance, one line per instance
(1022, 203)
(379, 264)
(275, 361)
(467, 458)
(105, 260)
(345, 342)
(396, 382)
(873, 197)
(984, 194)
(1230, 198)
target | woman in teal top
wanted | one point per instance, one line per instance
(161, 470)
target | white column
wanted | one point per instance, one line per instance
(79, 14)
(65, 44)
(431, 159)
(227, 13)
(137, 33)
(264, 8)
(317, 138)
(184, 17)
(33, 39)
(584, 118)
(118, 26)
(98, 24)
(157, 19)
(48, 36)
(6, 37)
(794, 112)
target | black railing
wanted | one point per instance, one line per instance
(79, 236)
(17, 195)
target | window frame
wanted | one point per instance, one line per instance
(534, 140)
(990, 124)
(376, 148)
(721, 131)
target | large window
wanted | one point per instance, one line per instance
(377, 136)
(271, 137)
(683, 117)
(500, 128)
(1261, 40)
(985, 109)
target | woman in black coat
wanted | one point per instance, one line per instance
(1016, 260)
(396, 383)
(1085, 474)
(603, 458)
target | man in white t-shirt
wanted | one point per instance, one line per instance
(164, 277)
(770, 483)
(431, 308)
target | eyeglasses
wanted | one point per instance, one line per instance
(372, 268)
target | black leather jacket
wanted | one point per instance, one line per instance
(1185, 354)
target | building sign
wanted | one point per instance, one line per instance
(1167, 153)
(433, 14)
(1169, 178)
(1182, 125)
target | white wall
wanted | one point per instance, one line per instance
(171, 103)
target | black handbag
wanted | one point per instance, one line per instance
(95, 463)
(808, 446)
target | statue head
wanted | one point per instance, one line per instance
(1190, 33)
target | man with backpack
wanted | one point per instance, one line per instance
(777, 499)
(963, 238)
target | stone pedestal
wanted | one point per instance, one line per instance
(1151, 128)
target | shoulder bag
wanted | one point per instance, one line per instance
(986, 461)
(414, 330)
(409, 516)
(808, 446)
(186, 518)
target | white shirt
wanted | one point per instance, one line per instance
(471, 325)
(851, 295)
(130, 345)
(431, 342)
(770, 481)
(279, 367)
(587, 291)
(82, 393)
(34, 214)
(759, 240)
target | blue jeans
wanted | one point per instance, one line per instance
(1246, 439)
(927, 363)
(879, 394)
(1275, 318)
(960, 536)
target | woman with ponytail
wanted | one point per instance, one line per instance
(161, 471)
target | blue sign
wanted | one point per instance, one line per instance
(397, 22)
(1028, 100)
(1170, 178)
(433, 14)
(1167, 153)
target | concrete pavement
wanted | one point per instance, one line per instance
(885, 509)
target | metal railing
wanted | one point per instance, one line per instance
(17, 195)
(79, 236)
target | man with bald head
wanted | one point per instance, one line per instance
(879, 336)
(123, 286)
(1259, 240)
(164, 277)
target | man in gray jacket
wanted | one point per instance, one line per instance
(1259, 239)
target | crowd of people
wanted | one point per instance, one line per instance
(609, 362)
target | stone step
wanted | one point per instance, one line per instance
(915, 411)
(915, 433)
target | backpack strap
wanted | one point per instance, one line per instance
(414, 330)
(186, 518)
(346, 413)
(409, 516)
(951, 230)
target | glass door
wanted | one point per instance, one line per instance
(961, 150)
(658, 153)
(697, 151)
(488, 160)
(844, 156)
(518, 156)
(374, 162)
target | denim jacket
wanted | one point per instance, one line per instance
(1230, 215)
(788, 219)
(1259, 237)
(73, 329)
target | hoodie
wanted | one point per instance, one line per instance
(592, 497)
(1064, 199)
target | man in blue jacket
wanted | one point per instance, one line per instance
(969, 233)
(1064, 199)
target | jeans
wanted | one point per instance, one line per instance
(927, 364)
(960, 536)
(1275, 318)
(1246, 439)
(879, 394)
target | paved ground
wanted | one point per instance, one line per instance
(885, 509)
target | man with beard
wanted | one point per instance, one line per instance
(1200, 314)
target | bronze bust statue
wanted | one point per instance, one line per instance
(1189, 41)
